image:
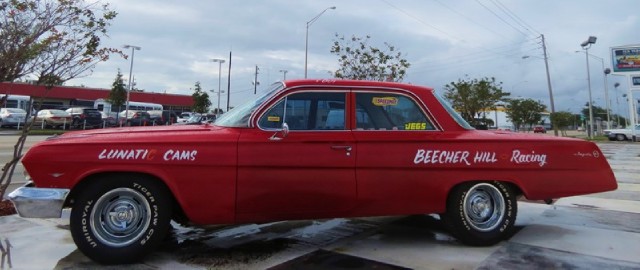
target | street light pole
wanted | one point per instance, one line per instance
(133, 49)
(284, 74)
(615, 89)
(606, 94)
(606, 72)
(220, 61)
(585, 46)
(306, 44)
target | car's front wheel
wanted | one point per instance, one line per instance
(481, 213)
(621, 137)
(120, 219)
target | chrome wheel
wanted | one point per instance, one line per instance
(484, 207)
(120, 217)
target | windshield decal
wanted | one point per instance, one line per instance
(273, 118)
(385, 101)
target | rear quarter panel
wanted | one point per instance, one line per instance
(419, 169)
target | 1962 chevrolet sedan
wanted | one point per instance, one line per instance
(305, 149)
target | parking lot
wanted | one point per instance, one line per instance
(599, 231)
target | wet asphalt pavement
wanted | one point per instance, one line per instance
(598, 231)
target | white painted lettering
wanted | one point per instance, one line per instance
(519, 158)
(439, 157)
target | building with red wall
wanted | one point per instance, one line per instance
(68, 96)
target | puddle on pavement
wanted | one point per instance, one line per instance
(197, 253)
(233, 246)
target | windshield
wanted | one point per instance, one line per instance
(194, 118)
(463, 123)
(239, 116)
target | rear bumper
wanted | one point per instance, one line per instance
(31, 202)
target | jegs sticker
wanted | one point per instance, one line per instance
(415, 126)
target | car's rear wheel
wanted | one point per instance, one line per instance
(120, 219)
(481, 213)
(621, 137)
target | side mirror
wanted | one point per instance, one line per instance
(284, 132)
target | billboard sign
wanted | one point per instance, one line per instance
(625, 59)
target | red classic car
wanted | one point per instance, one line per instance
(305, 149)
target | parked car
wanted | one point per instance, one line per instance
(539, 129)
(109, 119)
(623, 134)
(53, 118)
(11, 117)
(163, 117)
(304, 149)
(85, 117)
(184, 117)
(135, 118)
(199, 119)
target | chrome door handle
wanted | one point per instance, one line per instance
(342, 147)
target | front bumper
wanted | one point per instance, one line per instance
(31, 202)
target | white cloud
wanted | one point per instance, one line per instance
(444, 40)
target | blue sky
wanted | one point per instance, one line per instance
(443, 40)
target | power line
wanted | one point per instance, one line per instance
(421, 21)
(502, 19)
(469, 19)
(515, 17)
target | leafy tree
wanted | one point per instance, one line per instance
(562, 120)
(201, 102)
(597, 111)
(53, 41)
(471, 97)
(524, 112)
(217, 111)
(360, 61)
(118, 94)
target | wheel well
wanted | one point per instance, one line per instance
(516, 189)
(178, 213)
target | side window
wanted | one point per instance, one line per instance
(307, 111)
(380, 111)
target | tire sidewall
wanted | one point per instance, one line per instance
(86, 239)
(459, 225)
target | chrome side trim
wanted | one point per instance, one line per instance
(31, 202)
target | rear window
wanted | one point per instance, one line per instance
(91, 112)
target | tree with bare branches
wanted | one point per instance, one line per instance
(49, 42)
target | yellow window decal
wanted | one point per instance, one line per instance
(273, 118)
(385, 101)
(415, 126)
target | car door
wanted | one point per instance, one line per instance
(306, 173)
(389, 128)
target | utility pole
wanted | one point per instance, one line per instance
(255, 81)
(546, 65)
(229, 84)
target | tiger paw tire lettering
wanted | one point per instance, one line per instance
(120, 219)
(481, 213)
